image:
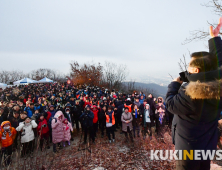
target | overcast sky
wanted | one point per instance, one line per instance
(145, 35)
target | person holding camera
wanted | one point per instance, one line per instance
(43, 131)
(196, 104)
(30, 109)
(27, 135)
(87, 123)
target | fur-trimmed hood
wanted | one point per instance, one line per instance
(204, 90)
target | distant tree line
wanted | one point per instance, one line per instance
(110, 76)
(12, 76)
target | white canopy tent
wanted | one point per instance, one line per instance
(3, 86)
(24, 81)
(45, 80)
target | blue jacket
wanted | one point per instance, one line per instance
(30, 111)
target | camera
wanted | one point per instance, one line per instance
(183, 76)
(44, 125)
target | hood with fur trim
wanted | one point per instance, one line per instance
(204, 90)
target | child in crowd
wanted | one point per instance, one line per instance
(7, 136)
(67, 128)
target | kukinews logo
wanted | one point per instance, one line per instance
(185, 154)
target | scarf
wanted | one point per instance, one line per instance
(5, 132)
(66, 126)
(136, 113)
(161, 117)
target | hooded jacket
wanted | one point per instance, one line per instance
(196, 107)
(57, 128)
(27, 134)
(9, 138)
(67, 135)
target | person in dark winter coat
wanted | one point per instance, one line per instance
(102, 120)
(87, 123)
(77, 113)
(136, 121)
(196, 105)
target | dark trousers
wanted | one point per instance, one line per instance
(77, 124)
(28, 147)
(136, 129)
(192, 165)
(44, 140)
(89, 130)
(54, 146)
(95, 128)
(148, 127)
(102, 125)
(7, 154)
(128, 132)
(117, 122)
(50, 135)
(110, 130)
(16, 141)
(157, 124)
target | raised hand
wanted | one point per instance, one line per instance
(216, 31)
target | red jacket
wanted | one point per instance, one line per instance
(95, 112)
(42, 127)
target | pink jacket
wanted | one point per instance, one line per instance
(57, 128)
(67, 135)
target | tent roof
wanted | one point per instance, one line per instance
(25, 80)
(45, 80)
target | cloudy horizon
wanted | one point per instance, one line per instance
(146, 36)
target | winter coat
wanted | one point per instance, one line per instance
(30, 111)
(126, 117)
(87, 119)
(9, 138)
(110, 116)
(102, 117)
(57, 128)
(136, 121)
(77, 111)
(95, 112)
(144, 116)
(14, 122)
(27, 133)
(196, 107)
(152, 105)
(67, 135)
(42, 127)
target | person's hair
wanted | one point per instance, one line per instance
(204, 61)
(110, 108)
(31, 104)
(24, 112)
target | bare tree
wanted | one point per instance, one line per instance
(202, 34)
(114, 75)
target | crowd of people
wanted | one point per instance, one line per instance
(51, 111)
